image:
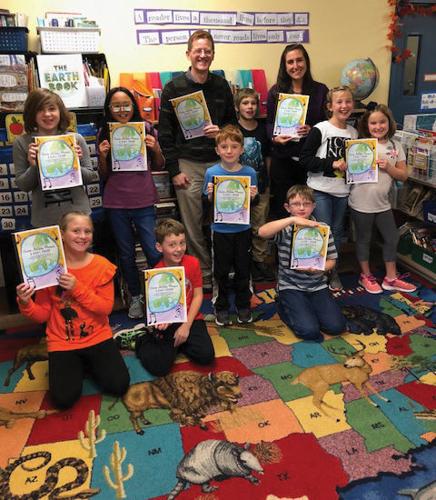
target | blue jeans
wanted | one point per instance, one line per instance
(124, 223)
(331, 210)
(309, 313)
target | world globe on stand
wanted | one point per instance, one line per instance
(361, 75)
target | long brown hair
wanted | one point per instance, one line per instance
(35, 101)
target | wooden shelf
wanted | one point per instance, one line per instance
(414, 266)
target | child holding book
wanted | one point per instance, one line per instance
(231, 242)
(45, 114)
(158, 348)
(79, 336)
(304, 301)
(129, 197)
(370, 203)
(323, 156)
(256, 154)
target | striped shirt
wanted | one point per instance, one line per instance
(290, 279)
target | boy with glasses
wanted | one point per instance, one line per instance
(304, 301)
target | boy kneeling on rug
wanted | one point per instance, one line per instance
(157, 349)
(304, 301)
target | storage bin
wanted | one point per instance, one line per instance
(429, 211)
(69, 40)
(13, 39)
(425, 258)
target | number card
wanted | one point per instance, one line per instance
(40, 256)
(128, 150)
(309, 247)
(59, 165)
(165, 295)
(290, 114)
(361, 158)
(231, 199)
(192, 112)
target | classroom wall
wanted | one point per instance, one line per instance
(340, 31)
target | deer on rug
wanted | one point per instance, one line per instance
(28, 354)
(354, 369)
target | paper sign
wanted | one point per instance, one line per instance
(128, 149)
(290, 114)
(192, 113)
(165, 295)
(231, 199)
(58, 163)
(41, 256)
(361, 158)
(309, 247)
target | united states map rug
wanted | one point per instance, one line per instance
(274, 417)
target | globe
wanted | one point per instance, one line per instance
(361, 75)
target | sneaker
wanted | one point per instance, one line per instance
(244, 316)
(126, 339)
(136, 308)
(369, 283)
(398, 285)
(222, 318)
(335, 283)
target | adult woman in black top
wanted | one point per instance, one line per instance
(294, 77)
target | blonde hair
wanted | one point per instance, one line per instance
(66, 219)
(331, 92)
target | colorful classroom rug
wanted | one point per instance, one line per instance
(251, 427)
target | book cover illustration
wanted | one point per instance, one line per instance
(165, 295)
(361, 158)
(40, 256)
(128, 150)
(14, 124)
(58, 163)
(231, 199)
(63, 74)
(309, 247)
(192, 112)
(290, 114)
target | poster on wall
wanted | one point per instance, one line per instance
(58, 162)
(41, 256)
(63, 74)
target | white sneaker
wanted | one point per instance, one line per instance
(136, 308)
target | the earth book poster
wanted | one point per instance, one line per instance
(41, 256)
(165, 295)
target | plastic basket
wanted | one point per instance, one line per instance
(13, 39)
(69, 40)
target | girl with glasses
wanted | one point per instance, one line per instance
(129, 197)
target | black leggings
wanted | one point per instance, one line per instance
(157, 353)
(67, 370)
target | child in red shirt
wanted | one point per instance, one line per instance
(76, 312)
(157, 349)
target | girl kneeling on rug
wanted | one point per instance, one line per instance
(79, 337)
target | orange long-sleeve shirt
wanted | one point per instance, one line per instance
(78, 318)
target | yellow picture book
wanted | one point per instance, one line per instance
(231, 199)
(291, 113)
(128, 150)
(193, 114)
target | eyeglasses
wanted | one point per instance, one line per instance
(304, 204)
(116, 108)
(206, 52)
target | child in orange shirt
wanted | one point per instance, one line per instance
(76, 312)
